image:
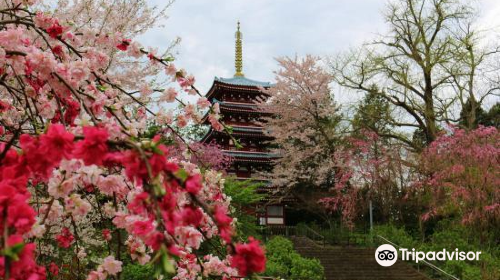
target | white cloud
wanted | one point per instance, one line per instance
(271, 28)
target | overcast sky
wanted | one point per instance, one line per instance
(271, 28)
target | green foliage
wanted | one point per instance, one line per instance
(373, 113)
(451, 237)
(12, 252)
(466, 114)
(492, 118)
(244, 197)
(193, 132)
(242, 193)
(396, 235)
(138, 272)
(418, 138)
(154, 129)
(284, 262)
(303, 268)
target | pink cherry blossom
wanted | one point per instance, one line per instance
(111, 266)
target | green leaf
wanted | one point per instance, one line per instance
(158, 189)
(12, 252)
(167, 264)
(101, 88)
(237, 144)
(168, 58)
(181, 174)
(156, 150)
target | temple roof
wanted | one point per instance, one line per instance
(242, 81)
(237, 132)
(250, 154)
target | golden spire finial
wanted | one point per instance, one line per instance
(238, 60)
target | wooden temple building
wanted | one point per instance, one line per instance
(237, 97)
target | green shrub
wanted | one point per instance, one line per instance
(450, 238)
(303, 268)
(284, 262)
(244, 196)
(396, 235)
(138, 272)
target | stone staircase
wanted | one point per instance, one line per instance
(352, 263)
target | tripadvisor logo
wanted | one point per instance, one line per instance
(387, 255)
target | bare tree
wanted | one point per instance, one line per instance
(427, 62)
(475, 75)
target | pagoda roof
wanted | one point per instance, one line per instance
(237, 132)
(237, 83)
(240, 109)
(247, 156)
(242, 81)
(251, 154)
(248, 128)
(250, 105)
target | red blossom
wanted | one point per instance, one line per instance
(72, 111)
(168, 201)
(57, 143)
(123, 46)
(28, 68)
(57, 117)
(93, 149)
(106, 233)
(25, 266)
(174, 250)
(7, 192)
(136, 169)
(249, 258)
(112, 159)
(54, 269)
(155, 240)
(191, 216)
(224, 223)
(139, 203)
(65, 239)
(143, 228)
(193, 184)
(35, 83)
(21, 216)
(58, 50)
(55, 30)
(4, 106)
(36, 158)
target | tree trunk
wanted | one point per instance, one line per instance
(429, 114)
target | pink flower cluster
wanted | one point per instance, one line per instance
(463, 167)
(74, 133)
(141, 221)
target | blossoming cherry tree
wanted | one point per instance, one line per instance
(80, 174)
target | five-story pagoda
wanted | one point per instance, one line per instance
(237, 98)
